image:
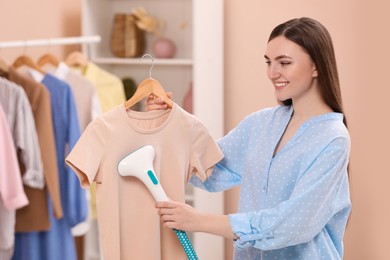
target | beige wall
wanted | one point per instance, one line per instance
(28, 19)
(361, 37)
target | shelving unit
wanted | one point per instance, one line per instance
(196, 27)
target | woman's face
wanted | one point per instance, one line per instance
(290, 69)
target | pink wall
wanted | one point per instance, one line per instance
(361, 38)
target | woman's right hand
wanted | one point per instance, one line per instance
(177, 215)
(156, 103)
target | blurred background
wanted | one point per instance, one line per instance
(362, 41)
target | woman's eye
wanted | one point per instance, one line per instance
(285, 63)
(268, 62)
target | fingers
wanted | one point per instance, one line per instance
(156, 107)
(152, 99)
(168, 218)
(166, 204)
(156, 103)
(153, 103)
(167, 210)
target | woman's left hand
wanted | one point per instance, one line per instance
(154, 103)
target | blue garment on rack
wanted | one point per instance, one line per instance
(58, 243)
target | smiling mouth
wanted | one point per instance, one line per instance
(280, 85)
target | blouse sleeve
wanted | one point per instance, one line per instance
(227, 173)
(320, 193)
(87, 154)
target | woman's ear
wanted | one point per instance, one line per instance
(315, 73)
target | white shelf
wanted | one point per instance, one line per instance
(145, 61)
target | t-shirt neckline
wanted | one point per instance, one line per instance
(129, 114)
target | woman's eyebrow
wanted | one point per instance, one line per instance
(278, 57)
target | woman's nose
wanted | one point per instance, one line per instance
(273, 72)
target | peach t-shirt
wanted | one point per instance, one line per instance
(129, 225)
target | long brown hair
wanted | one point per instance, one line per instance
(315, 39)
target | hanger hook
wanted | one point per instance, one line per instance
(150, 70)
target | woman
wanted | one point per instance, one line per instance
(291, 161)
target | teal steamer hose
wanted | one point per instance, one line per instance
(186, 243)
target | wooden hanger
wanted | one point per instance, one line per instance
(76, 59)
(148, 87)
(26, 60)
(48, 58)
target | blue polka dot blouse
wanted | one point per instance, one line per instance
(292, 205)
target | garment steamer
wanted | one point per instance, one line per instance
(140, 164)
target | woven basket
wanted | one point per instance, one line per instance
(127, 40)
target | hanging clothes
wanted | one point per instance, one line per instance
(57, 243)
(129, 225)
(12, 195)
(35, 217)
(88, 108)
(21, 121)
(84, 92)
(109, 87)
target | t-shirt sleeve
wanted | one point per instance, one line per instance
(205, 152)
(86, 156)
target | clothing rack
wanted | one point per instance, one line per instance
(51, 41)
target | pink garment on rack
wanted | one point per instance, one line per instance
(11, 187)
(12, 194)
